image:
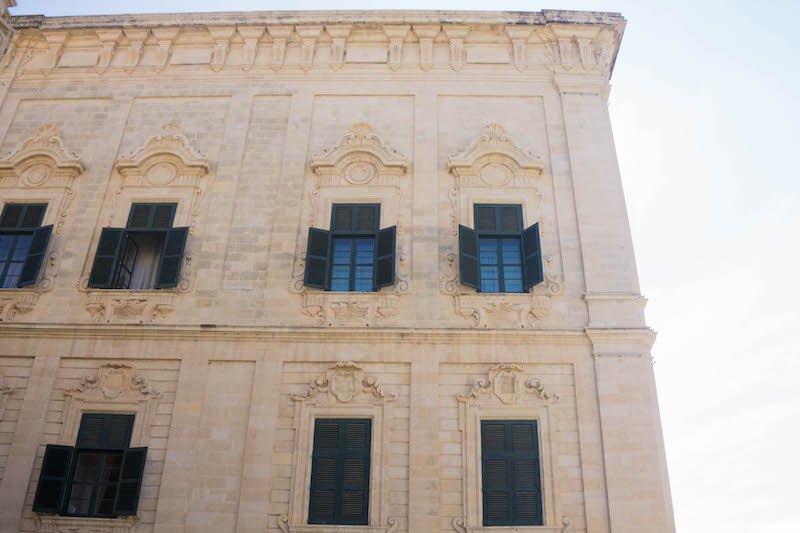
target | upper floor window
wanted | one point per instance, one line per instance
(99, 477)
(340, 468)
(498, 255)
(512, 487)
(146, 254)
(354, 255)
(23, 243)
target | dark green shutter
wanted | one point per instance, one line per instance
(317, 258)
(533, 273)
(101, 431)
(32, 218)
(340, 471)
(53, 479)
(11, 216)
(169, 268)
(468, 257)
(106, 259)
(385, 257)
(511, 475)
(163, 214)
(130, 481)
(140, 216)
(36, 254)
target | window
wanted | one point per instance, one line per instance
(355, 255)
(146, 254)
(512, 494)
(340, 467)
(100, 477)
(23, 243)
(498, 255)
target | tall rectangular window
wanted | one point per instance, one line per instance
(498, 255)
(512, 493)
(100, 477)
(340, 468)
(146, 254)
(355, 255)
(23, 242)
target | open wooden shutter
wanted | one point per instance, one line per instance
(130, 481)
(533, 273)
(169, 268)
(317, 258)
(53, 479)
(385, 257)
(106, 259)
(36, 253)
(468, 257)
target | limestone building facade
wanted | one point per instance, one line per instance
(320, 271)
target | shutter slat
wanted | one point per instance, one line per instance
(385, 263)
(485, 218)
(343, 218)
(130, 481)
(53, 478)
(366, 218)
(140, 216)
(317, 258)
(106, 258)
(533, 272)
(36, 255)
(163, 214)
(468, 257)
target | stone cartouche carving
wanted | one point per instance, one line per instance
(166, 161)
(506, 382)
(114, 381)
(494, 161)
(360, 158)
(345, 382)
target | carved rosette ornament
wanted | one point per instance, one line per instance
(360, 159)
(344, 382)
(494, 163)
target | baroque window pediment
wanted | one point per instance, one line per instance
(493, 168)
(41, 169)
(341, 173)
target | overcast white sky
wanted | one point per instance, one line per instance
(705, 108)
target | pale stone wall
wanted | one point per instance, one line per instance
(255, 102)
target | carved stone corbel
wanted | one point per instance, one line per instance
(165, 39)
(426, 34)
(456, 35)
(396, 35)
(308, 40)
(519, 39)
(250, 36)
(55, 47)
(280, 35)
(222, 39)
(109, 38)
(136, 38)
(338, 34)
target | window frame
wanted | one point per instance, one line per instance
(499, 235)
(353, 235)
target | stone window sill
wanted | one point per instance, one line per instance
(48, 523)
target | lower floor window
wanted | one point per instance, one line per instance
(101, 476)
(512, 487)
(340, 469)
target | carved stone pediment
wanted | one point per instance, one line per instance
(114, 381)
(345, 382)
(506, 382)
(359, 157)
(495, 159)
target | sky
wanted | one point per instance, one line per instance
(705, 106)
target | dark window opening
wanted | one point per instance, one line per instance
(340, 470)
(498, 255)
(23, 243)
(146, 254)
(355, 255)
(510, 468)
(100, 477)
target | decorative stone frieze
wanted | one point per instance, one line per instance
(360, 159)
(115, 387)
(507, 393)
(494, 164)
(48, 523)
